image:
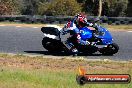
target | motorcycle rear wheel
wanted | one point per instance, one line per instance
(51, 45)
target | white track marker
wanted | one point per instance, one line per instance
(129, 31)
(35, 27)
(2, 25)
(18, 26)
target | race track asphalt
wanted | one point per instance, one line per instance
(21, 40)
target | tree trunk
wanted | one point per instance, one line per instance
(100, 8)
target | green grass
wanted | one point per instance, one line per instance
(16, 78)
(21, 71)
(37, 79)
(27, 24)
(119, 27)
(110, 27)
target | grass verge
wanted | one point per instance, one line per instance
(110, 27)
(19, 71)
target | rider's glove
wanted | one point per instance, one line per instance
(95, 26)
(92, 25)
(89, 24)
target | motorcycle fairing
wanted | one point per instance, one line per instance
(102, 34)
(105, 36)
(85, 33)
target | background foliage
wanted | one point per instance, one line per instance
(11, 7)
(113, 8)
(59, 7)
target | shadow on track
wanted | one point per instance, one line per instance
(59, 53)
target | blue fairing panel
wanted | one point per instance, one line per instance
(85, 33)
(106, 38)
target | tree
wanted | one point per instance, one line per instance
(129, 9)
(100, 8)
(9, 7)
(59, 7)
(109, 7)
(43, 7)
(117, 7)
(30, 7)
(90, 7)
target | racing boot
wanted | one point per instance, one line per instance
(71, 49)
(74, 51)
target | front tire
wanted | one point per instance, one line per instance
(110, 49)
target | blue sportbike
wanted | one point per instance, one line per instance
(100, 40)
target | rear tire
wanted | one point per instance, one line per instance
(51, 45)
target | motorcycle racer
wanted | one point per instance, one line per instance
(72, 28)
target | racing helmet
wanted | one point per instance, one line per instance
(81, 20)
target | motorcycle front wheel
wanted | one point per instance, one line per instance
(110, 49)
